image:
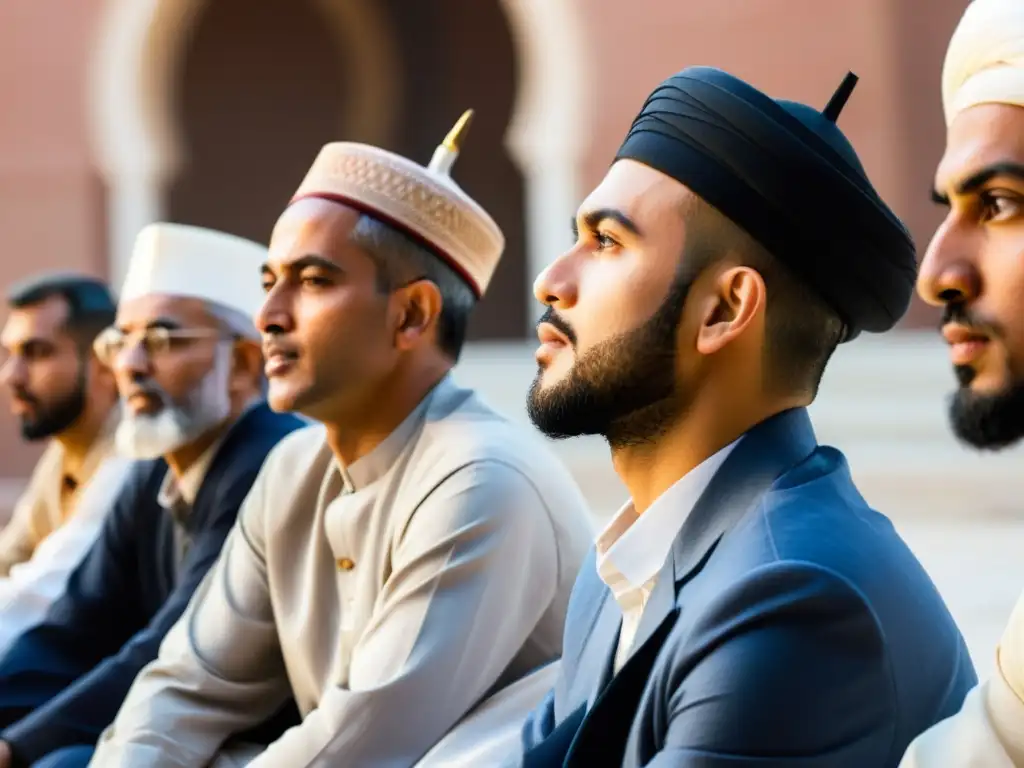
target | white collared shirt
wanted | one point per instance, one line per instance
(184, 489)
(632, 548)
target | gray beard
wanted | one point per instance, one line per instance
(149, 436)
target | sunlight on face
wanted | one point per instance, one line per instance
(974, 269)
(629, 240)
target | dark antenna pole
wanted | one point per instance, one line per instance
(840, 97)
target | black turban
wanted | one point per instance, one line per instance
(787, 175)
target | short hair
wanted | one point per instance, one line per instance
(241, 326)
(399, 259)
(91, 305)
(801, 329)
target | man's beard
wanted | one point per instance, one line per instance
(149, 436)
(623, 388)
(53, 418)
(990, 421)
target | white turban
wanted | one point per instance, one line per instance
(985, 60)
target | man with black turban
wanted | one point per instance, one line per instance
(746, 607)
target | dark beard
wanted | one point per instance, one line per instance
(624, 388)
(990, 421)
(58, 416)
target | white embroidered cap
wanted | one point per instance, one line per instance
(424, 203)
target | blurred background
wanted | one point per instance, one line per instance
(116, 113)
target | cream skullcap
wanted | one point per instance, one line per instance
(424, 203)
(985, 59)
(192, 262)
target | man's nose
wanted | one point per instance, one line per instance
(131, 361)
(948, 272)
(274, 316)
(556, 285)
(12, 372)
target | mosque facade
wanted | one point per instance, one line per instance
(121, 112)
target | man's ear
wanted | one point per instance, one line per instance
(736, 302)
(416, 308)
(246, 365)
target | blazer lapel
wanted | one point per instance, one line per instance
(661, 606)
(593, 670)
(764, 453)
(603, 732)
(595, 661)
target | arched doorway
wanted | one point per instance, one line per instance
(260, 90)
(143, 46)
(457, 55)
(255, 100)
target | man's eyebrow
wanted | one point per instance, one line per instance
(301, 263)
(980, 178)
(593, 219)
(29, 341)
(162, 321)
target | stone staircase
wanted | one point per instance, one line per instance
(882, 401)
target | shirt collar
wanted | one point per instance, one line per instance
(632, 548)
(174, 490)
(378, 462)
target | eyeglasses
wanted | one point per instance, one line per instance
(155, 341)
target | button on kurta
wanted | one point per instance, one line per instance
(346, 563)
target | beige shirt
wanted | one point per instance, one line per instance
(389, 597)
(632, 548)
(988, 731)
(50, 500)
(178, 494)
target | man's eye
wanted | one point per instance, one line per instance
(35, 351)
(1000, 205)
(604, 241)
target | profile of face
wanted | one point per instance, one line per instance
(623, 303)
(331, 336)
(175, 372)
(47, 371)
(974, 270)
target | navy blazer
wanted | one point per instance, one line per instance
(62, 682)
(789, 626)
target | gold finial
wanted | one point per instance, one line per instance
(448, 150)
(453, 141)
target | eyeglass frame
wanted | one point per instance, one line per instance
(165, 338)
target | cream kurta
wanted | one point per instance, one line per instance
(389, 597)
(988, 732)
(45, 506)
(42, 545)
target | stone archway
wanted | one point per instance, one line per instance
(137, 150)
